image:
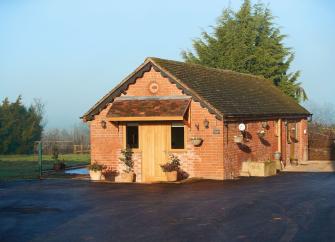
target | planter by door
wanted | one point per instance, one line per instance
(171, 176)
(95, 175)
(127, 177)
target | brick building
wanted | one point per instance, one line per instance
(165, 106)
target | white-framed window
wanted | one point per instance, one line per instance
(132, 135)
(177, 135)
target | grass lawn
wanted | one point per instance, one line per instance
(26, 166)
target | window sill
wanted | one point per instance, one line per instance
(178, 150)
(135, 149)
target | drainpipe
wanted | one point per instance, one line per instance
(279, 135)
(223, 150)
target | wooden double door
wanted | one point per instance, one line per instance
(154, 142)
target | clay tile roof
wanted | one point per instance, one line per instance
(227, 94)
(234, 94)
(173, 107)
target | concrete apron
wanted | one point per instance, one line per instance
(312, 166)
(260, 169)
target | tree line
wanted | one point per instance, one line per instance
(65, 141)
(20, 126)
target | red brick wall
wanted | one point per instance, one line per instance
(204, 161)
(217, 158)
(141, 87)
(105, 143)
(254, 148)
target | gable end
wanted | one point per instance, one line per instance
(131, 79)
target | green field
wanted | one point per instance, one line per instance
(26, 166)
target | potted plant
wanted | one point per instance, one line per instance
(196, 141)
(58, 165)
(261, 133)
(95, 171)
(171, 168)
(277, 155)
(238, 139)
(127, 159)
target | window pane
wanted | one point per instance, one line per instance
(177, 137)
(132, 136)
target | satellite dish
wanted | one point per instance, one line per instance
(241, 127)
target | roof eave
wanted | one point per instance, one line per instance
(266, 116)
(109, 97)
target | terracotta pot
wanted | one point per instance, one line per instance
(59, 166)
(171, 176)
(95, 175)
(127, 177)
(196, 141)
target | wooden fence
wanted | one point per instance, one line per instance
(321, 145)
(63, 147)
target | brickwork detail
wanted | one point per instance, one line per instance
(217, 158)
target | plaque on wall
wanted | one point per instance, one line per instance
(153, 87)
(216, 131)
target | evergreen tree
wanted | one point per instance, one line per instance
(248, 41)
(19, 126)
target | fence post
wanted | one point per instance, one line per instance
(40, 158)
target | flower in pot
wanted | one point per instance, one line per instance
(171, 168)
(95, 171)
(196, 141)
(127, 159)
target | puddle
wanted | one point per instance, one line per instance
(77, 171)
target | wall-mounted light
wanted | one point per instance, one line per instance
(206, 123)
(103, 124)
(242, 127)
(310, 118)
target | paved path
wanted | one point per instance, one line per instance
(288, 207)
(313, 166)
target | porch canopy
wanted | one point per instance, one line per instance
(148, 108)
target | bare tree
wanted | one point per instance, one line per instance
(322, 113)
(76, 139)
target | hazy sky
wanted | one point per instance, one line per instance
(71, 53)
